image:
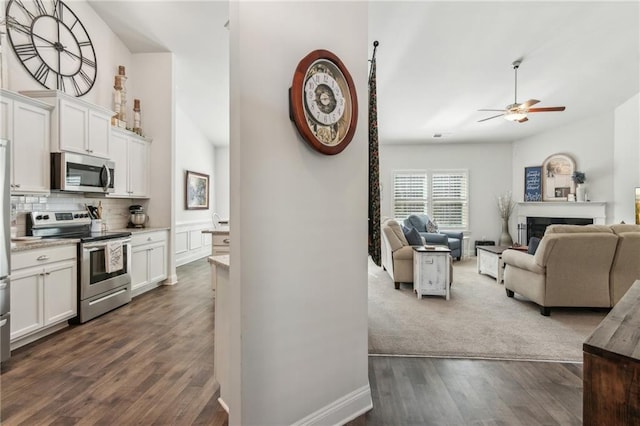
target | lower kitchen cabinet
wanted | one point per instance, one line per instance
(148, 260)
(43, 292)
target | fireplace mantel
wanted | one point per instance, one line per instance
(590, 209)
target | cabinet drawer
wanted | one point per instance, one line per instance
(221, 239)
(138, 238)
(42, 256)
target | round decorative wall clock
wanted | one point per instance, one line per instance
(323, 102)
(52, 45)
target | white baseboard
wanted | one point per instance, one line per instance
(342, 410)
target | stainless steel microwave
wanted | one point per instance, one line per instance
(81, 173)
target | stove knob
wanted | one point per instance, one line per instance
(75, 216)
(46, 217)
(39, 217)
(85, 215)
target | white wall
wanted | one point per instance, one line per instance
(221, 183)
(110, 52)
(298, 225)
(589, 142)
(626, 159)
(194, 153)
(489, 168)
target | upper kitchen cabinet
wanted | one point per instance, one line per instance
(26, 123)
(131, 155)
(78, 126)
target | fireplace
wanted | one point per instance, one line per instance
(552, 212)
(537, 225)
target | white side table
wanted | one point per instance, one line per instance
(431, 271)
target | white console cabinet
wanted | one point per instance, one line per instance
(43, 292)
(77, 126)
(431, 271)
(26, 123)
(131, 155)
(148, 260)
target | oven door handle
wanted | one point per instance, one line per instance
(104, 243)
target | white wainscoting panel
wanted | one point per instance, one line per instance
(191, 243)
(182, 242)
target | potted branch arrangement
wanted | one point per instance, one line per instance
(505, 208)
(578, 178)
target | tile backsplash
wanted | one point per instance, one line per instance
(115, 211)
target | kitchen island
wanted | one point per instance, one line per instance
(221, 355)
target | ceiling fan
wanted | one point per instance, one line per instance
(515, 111)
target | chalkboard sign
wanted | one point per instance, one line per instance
(533, 183)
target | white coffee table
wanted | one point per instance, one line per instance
(431, 271)
(490, 261)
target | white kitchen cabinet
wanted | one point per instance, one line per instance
(131, 155)
(43, 292)
(148, 260)
(77, 126)
(26, 123)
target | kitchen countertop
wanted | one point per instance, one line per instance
(42, 243)
(220, 230)
(139, 230)
(220, 260)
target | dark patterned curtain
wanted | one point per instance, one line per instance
(374, 166)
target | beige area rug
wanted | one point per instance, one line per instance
(478, 321)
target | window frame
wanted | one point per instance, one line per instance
(429, 200)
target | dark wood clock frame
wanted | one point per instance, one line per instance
(296, 103)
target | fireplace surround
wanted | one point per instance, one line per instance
(538, 215)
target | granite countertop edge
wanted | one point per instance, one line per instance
(43, 243)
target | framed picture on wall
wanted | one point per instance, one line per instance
(556, 177)
(196, 191)
(638, 206)
(533, 183)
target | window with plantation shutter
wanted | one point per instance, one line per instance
(441, 194)
(450, 199)
(410, 194)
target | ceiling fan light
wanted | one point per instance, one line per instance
(515, 116)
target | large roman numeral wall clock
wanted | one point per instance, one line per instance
(323, 102)
(52, 45)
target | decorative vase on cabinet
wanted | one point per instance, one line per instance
(505, 237)
(580, 192)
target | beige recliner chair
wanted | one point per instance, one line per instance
(570, 268)
(625, 269)
(397, 254)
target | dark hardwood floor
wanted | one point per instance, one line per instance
(151, 362)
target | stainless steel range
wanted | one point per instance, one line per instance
(104, 259)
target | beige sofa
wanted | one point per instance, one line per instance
(397, 254)
(576, 266)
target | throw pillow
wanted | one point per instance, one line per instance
(533, 245)
(432, 227)
(413, 237)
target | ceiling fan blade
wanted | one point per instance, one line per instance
(529, 103)
(492, 110)
(489, 118)
(523, 120)
(546, 109)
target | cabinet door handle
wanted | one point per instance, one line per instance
(226, 241)
(43, 257)
(47, 273)
(17, 185)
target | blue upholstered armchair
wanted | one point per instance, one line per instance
(452, 239)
